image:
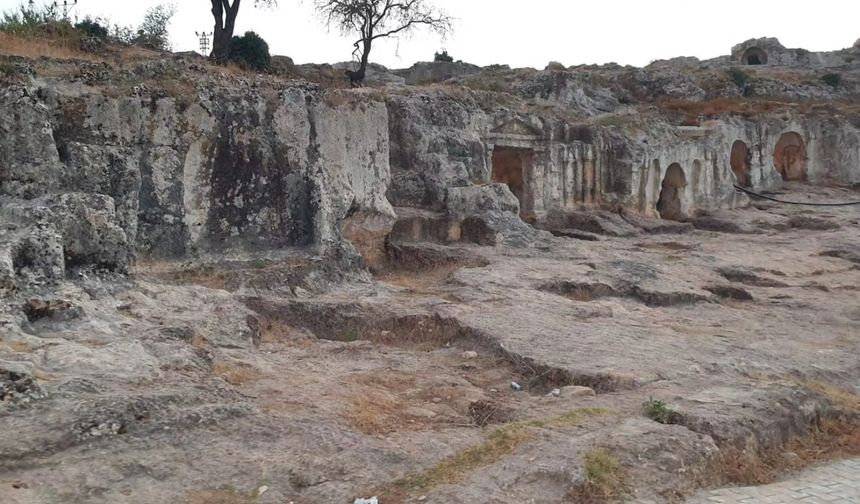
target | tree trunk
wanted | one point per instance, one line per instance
(365, 59)
(225, 22)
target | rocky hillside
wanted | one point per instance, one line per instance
(170, 157)
(222, 287)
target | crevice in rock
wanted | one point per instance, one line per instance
(746, 277)
(729, 292)
(353, 322)
(585, 292)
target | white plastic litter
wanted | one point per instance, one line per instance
(372, 500)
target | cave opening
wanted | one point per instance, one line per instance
(510, 167)
(740, 161)
(755, 56)
(669, 205)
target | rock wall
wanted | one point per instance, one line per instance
(441, 142)
(99, 173)
(771, 52)
(228, 168)
(830, 149)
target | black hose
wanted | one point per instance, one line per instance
(762, 196)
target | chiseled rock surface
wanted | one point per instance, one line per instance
(228, 168)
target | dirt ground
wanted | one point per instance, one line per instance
(506, 375)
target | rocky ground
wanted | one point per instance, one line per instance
(275, 381)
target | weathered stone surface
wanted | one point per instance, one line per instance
(375, 72)
(489, 214)
(769, 51)
(577, 391)
(269, 345)
(17, 385)
(592, 221)
(428, 72)
(177, 176)
(29, 163)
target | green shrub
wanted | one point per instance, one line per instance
(832, 79)
(443, 56)
(250, 50)
(658, 411)
(29, 20)
(153, 30)
(92, 33)
(739, 77)
(92, 28)
(6, 70)
(122, 34)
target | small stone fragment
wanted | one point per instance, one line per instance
(576, 391)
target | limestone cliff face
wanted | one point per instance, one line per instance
(229, 168)
(441, 141)
(97, 168)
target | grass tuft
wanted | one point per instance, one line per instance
(658, 411)
(604, 479)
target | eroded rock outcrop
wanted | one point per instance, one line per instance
(228, 168)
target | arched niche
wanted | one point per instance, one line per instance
(754, 56)
(669, 205)
(740, 161)
(789, 156)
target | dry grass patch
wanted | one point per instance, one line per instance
(832, 440)
(236, 373)
(205, 276)
(376, 413)
(840, 397)
(604, 479)
(746, 107)
(420, 282)
(500, 443)
(34, 47)
(381, 405)
(581, 294)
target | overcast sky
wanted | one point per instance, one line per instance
(532, 32)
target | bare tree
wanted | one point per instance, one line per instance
(225, 14)
(376, 19)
